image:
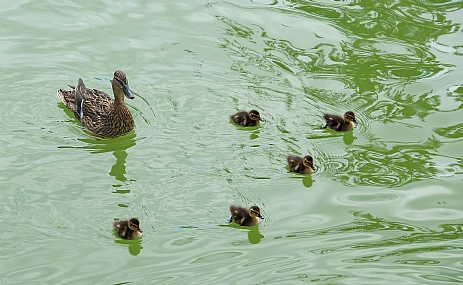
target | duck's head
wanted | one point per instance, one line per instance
(308, 162)
(121, 83)
(349, 116)
(254, 115)
(134, 225)
(254, 212)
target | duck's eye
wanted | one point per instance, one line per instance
(119, 81)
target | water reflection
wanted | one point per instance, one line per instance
(254, 236)
(118, 169)
(348, 137)
(255, 134)
(134, 246)
(307, 180)
(387, 49)
(386, 247)
(118, 146)
(97, 145)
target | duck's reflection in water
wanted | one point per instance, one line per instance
(135, 246)
(307, 181)
(118, 169)
(118, 146)
(254, 235)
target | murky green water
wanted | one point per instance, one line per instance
(384, 206)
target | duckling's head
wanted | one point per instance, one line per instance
(308, 162)
(254, 115)
(120, 82)
(254, 212)
(134, 225)
(349, 116)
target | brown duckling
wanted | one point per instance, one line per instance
(301, 165)
(128, 229)
(97, 111)
(245, 217)
(339, 124)
(246, 119)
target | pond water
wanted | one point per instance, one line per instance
(384, 206)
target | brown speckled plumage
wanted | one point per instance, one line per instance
(128, 229)
(246, 119)
(301, 165)
(97, 111)
(340, 124)
(245, 217)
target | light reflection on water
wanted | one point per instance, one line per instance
(383, 204)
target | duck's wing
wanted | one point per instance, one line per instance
(85, 102)
(333, 121)
(241, 118)
(121, 228)
(238, 214)
(295, 163)
(80, 98)
(95, 104)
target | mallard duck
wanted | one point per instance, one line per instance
(245, 217)
(301, 165)
(247, 119)
(97, 111)
(128, 229)
(339, 124)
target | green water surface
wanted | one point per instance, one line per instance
(384, 206)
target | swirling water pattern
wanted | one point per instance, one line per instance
(383, 207)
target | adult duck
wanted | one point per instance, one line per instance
(97, 111)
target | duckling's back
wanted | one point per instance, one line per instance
(294, 163)
(242, 118)
(333, 121)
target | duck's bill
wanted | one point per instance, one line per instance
(355, 121)
(128, 93)
(260, 119)
(260, 216)
(313, 167)
(140, 230)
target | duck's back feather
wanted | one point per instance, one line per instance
(295, 163)
(335, 122)
(242, 118)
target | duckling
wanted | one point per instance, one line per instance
(339, 124)
(301, 165)
(246, 119)
(97, 111)
(245, 217)
(128, 229)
